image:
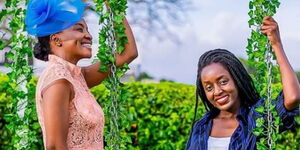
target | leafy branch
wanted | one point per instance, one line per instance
(262, 58)
(112, 38)
(19, 85)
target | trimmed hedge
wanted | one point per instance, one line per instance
(159, 116)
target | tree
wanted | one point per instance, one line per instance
(154, 17)
(144, 75)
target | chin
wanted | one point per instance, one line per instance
(87, 55)
(226, 107)
(85, 52)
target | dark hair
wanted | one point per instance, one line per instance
(247, 92)
(42, 48)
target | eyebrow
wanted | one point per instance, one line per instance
(220, 77)
(80, 24)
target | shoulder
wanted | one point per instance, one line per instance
(55, 71)
(202, 122)
(59, 87)
(59, 92)
(55, 76)
(199, 129)
(59, 69)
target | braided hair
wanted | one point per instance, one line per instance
(42, 49)
(247, 92)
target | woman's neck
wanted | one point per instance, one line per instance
(229, 114)
(66, 57)
(226, 115)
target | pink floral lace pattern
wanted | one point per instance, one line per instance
(86, 118)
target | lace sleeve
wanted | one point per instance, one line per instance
(53, 74)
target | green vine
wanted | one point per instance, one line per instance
(21, 120)
(267, 76)
(112, 38)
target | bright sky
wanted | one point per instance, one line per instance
(211, 24)
(214, 24)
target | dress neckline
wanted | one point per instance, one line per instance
(74, 69)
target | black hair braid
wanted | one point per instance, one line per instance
(42, 48)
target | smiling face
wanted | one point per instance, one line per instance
(220, 88)
(76, 41)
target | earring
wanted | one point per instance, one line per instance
(59, 44)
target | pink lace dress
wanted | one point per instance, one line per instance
(86, 120)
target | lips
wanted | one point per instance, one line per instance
(87, 44)
(222, 100)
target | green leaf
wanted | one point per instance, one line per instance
(8, 3)
(103, 68)
(120, 49)
(260, 109)
(10, 55)
(251, 22)
(260, 122)
(257, 131)
(250, 5)
(276, 3)
(118, 19)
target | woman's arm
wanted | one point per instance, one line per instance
(91, 74)
(55, 105)
(291, 88)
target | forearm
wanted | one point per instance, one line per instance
(130, 49)
(289, 79)
(91, 74)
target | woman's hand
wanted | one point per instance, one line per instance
(290, 83)
(271, 29)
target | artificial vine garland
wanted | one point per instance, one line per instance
(112, 38)
(267, 78)
(19, 86)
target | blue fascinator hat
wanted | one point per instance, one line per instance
(46, 17)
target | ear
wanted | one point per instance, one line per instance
(57, 41)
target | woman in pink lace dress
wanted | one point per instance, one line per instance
(69, 115)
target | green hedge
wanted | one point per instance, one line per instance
(159, 116)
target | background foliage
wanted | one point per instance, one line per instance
(159, 116)
(19, 113)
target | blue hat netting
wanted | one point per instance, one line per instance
(46, 17)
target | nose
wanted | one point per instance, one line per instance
(88, 36)
(218, 90)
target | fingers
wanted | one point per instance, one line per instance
(269, 18)
(268, 22)
(269, 25)
(267, 31)
(268, 28)
(272, 27)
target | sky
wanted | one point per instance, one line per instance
(210, 24)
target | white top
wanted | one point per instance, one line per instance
(218, 143)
